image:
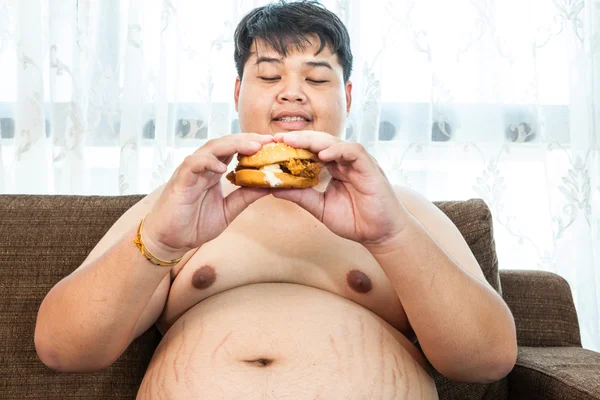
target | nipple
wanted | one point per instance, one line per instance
(204, 277)
(359, 281)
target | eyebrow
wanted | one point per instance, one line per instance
(313, 64)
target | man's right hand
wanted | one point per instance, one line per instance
(191, 209)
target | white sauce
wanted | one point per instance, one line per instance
(269, 171)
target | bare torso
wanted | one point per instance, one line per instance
(279, 307)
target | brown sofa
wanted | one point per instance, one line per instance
(44, 238)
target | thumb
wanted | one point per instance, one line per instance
(310, 199)
(238, 200)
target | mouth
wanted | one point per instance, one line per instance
(292, 123)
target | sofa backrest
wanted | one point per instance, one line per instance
(45, 238)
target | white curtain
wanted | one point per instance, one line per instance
(495, 99)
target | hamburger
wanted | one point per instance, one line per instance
(277, 165)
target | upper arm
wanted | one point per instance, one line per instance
(126, 222)
(441, 229)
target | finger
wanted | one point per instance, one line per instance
(310, 140)
(335, 171)
(310, 199)
(196, 165)
(238, 200)
(349, 153)
(226, 160)
(203, 162)
(227, 146)
(255, 137)
(226, 149)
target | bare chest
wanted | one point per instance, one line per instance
(277, 241)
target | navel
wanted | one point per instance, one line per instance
(204, 277)
(260, 362)
(359, 281)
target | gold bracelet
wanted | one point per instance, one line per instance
(139, 243)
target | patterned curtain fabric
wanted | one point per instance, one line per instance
(496, 99)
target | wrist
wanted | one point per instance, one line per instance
(393, 242)
(153, 248)
(387, 247)
(159, 249)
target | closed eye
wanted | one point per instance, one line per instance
(273, 79)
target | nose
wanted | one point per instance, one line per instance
(291, 93)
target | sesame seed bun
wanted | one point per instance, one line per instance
(302, 174)
(274, 153)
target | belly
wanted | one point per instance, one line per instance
(279, 341)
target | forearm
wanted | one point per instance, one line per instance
(86, 321)
(463, 326)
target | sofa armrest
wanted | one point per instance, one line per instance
(543, 308)
(555, 373)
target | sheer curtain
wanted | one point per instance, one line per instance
(495, 99)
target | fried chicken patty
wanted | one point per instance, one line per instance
(304, 168)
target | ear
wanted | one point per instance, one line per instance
(348, 97)
(236, 92)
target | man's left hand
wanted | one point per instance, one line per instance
(359, 202)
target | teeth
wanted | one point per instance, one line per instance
(292, 119)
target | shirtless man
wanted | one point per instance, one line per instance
(298, 294)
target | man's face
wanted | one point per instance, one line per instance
(299, 92)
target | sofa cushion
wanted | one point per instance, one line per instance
(542, 306)
(45, 238)
(555, 373)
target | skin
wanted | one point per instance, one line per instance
(463, 326)
(273, 85)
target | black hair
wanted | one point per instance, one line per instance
(286, 24)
